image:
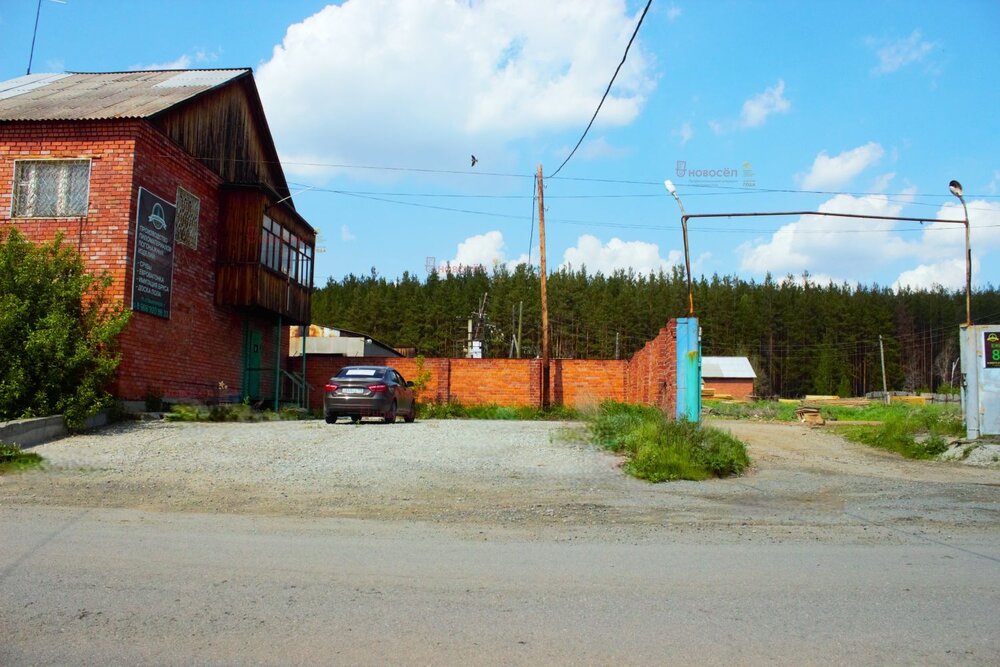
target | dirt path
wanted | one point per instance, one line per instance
(791, 446)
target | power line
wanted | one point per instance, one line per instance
(610, 83)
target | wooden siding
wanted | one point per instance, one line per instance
(223, 129)
(242, 280)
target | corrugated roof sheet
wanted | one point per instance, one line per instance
(726, 368)
(105, 95)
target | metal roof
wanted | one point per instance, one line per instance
(101, 96)
(726, 368)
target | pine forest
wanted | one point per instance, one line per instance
(801, 338)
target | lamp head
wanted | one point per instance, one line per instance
(956, 188)
(669, 185)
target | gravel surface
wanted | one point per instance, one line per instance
(523, 476)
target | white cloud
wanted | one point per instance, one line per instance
(397, 82)
(184, 61)
(345, 233)
(674, 13)
(758, 108)
(895, 54)
(596, 149)
(992, 187)
(949, 274)
(832, 172)
(882, 181)
(483, 250)
(831, 246)
(685, 132)
(941, 248)
(639, 256)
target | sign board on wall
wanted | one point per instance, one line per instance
(991, 349)
(153, 265)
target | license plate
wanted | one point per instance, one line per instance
(352, 390)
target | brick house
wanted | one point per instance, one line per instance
(169, 182)
(732, 376)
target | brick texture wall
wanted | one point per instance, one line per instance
(648, 377)
(186, 356)
(738, 388)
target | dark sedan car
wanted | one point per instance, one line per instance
(369, 391)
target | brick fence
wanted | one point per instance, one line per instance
(649, 377)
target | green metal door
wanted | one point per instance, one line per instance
(253, 346)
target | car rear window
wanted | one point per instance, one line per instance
(361, 373)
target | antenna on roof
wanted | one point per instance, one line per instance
(38, 12)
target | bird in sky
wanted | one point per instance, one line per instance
(474, 160)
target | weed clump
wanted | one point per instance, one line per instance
(13, 458)
(661, 450)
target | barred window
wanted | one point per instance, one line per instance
(188, 208)
(51, 188)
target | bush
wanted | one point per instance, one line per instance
(660, 450)
(59, 333)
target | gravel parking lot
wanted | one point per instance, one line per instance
(520, 475)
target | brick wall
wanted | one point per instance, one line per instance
(738, 388)
(649, 377)
(187, 355)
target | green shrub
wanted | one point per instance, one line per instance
(59, 333)
(660, 449)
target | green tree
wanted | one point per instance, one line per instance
(59, 332)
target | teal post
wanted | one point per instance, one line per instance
(688, 370)
(277, 366)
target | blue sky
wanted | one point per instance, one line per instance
(376, 106)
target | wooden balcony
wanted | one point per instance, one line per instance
(266, 254)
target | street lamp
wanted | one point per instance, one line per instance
(687, 256)
(956, 189)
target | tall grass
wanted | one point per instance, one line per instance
(660, 450)
(917, 434)
(455, 410)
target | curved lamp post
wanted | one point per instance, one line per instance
(956, 189)
(687, 256)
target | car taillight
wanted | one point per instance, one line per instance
(330, 388)
(377, 388)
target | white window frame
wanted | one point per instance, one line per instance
(25, 206)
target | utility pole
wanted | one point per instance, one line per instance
(881, 351)
(545, 297)
(520, 314)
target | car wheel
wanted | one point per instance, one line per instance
(331, 419)
(412, 415)
(390, 417)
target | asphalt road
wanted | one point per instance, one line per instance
(824, 554)
(95, 586)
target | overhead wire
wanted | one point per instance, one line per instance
(607, 91)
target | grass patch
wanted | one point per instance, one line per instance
(455, 410)
(13, 458)
(661, 450)
(919, 435)
(914, 431)
(236, 412)
(947, 416)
